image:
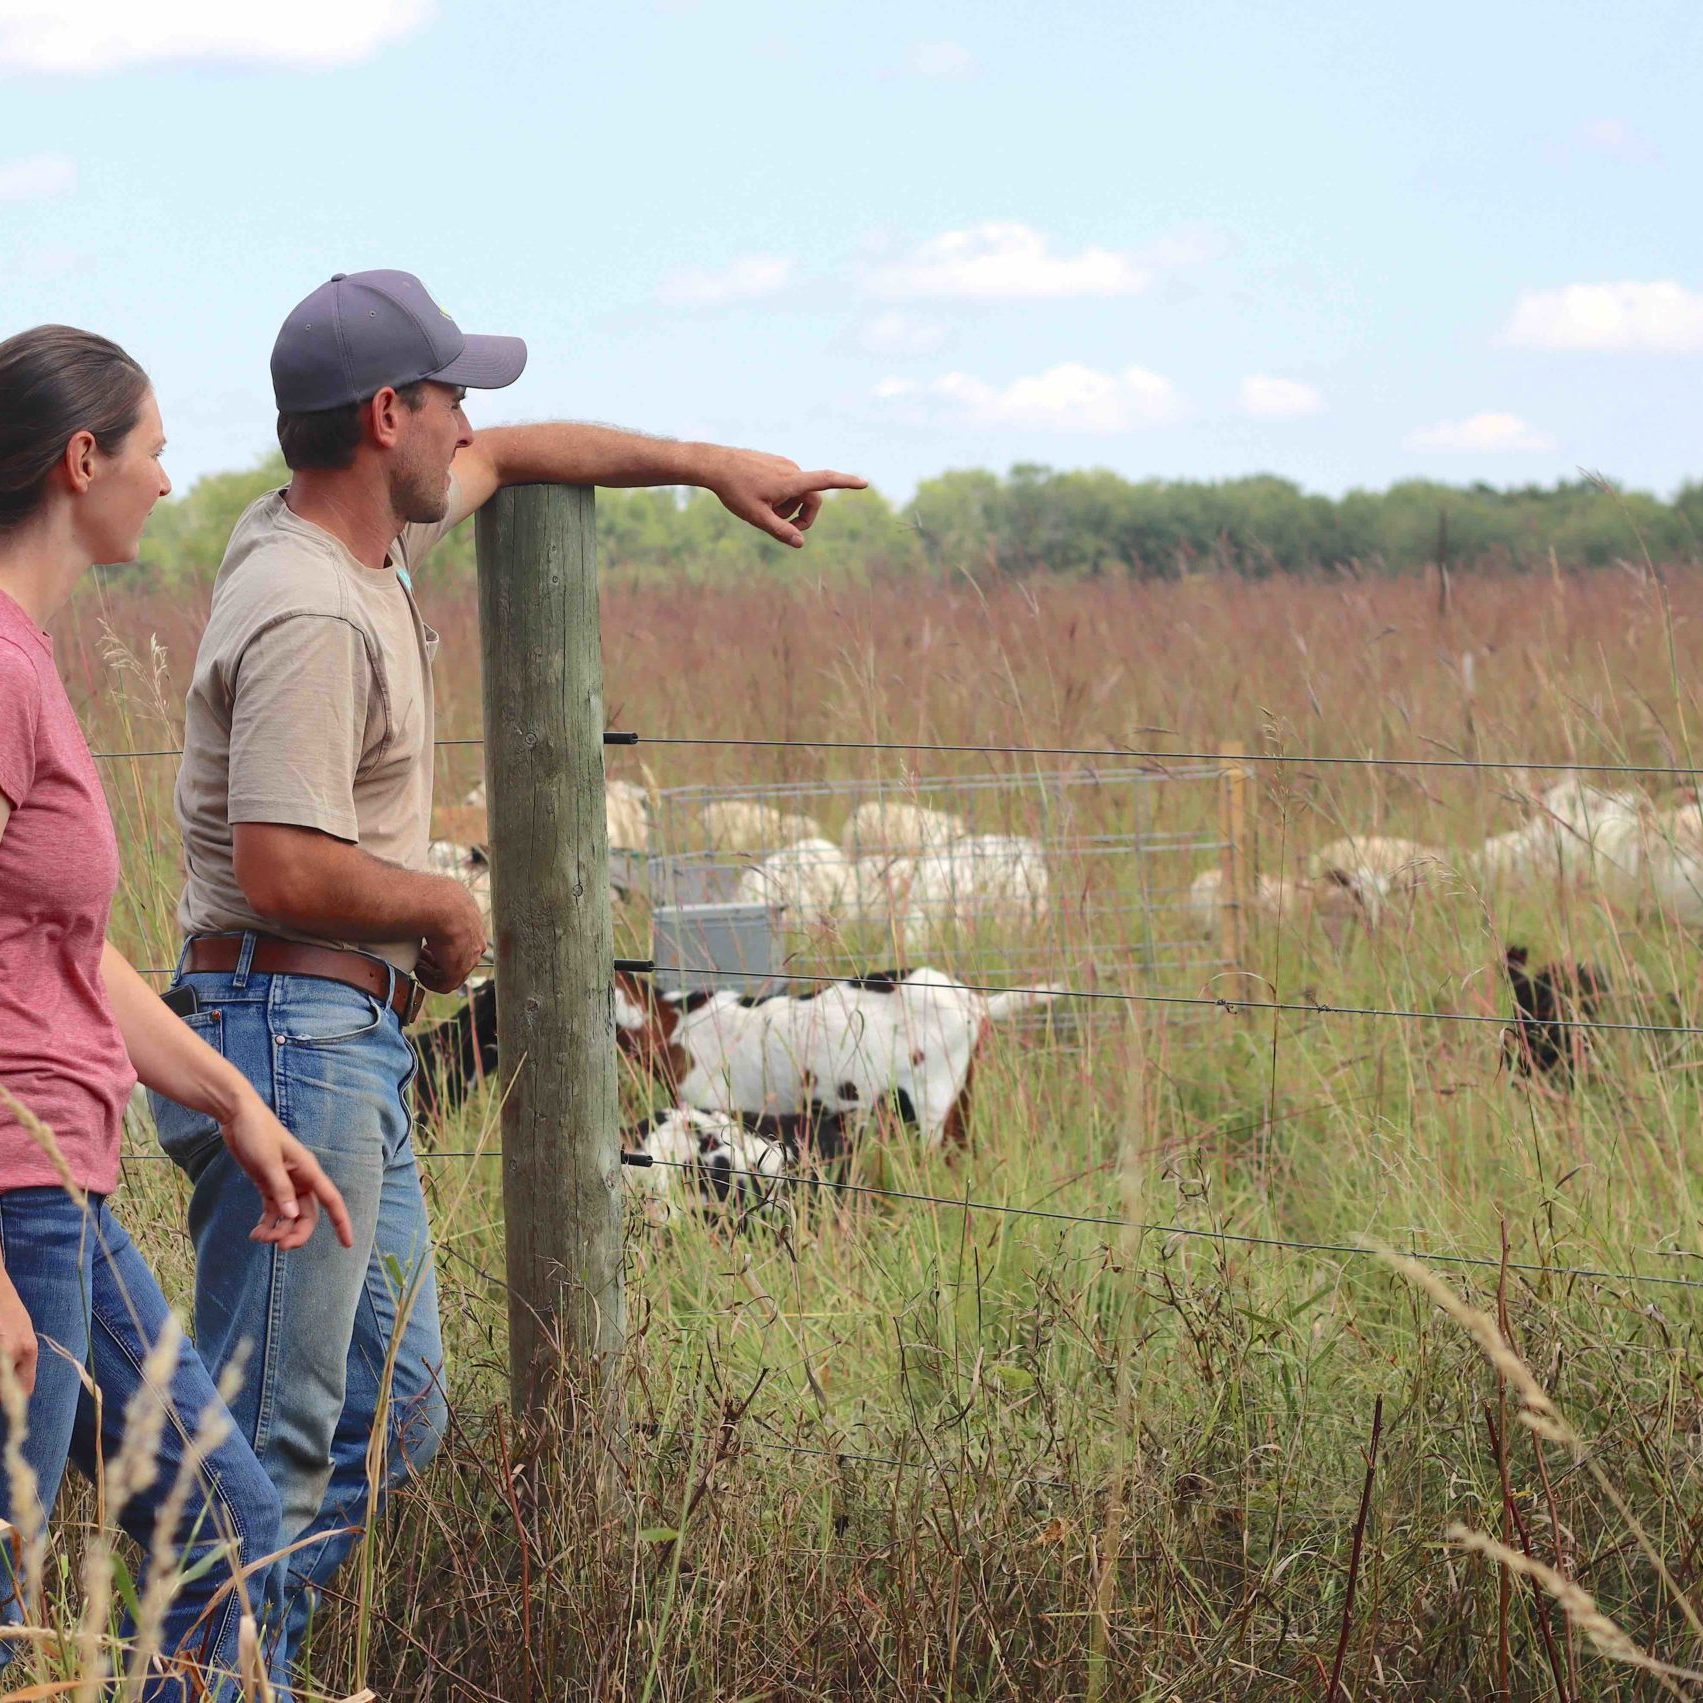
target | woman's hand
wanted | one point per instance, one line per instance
(17, 1334)
(289, 1178)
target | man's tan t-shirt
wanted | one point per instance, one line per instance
(311, 706)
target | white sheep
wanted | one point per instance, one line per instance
(895, 825)
(1673, 863)
(977, 880)
(1276, 898)
(812, 880)
(746, 825)
(626, 815)
(1576, 823)
(1376, 868)
(1632, 852)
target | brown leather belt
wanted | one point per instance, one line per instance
(218, 954)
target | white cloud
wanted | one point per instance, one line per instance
(107, 35)
(1660, 318)
(1066, 398)
(747, 279)
(1619, 140)
(1007, 261)
(1481, 434)
(37, 179)
(1268, 398)
(899, 333)
(949, 61)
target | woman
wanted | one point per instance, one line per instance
(80, 443)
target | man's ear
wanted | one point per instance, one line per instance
(383, 419)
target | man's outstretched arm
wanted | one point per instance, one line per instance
(768, 491)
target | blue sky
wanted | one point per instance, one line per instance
(1345, 244)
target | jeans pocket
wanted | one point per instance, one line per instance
(187, 1136)
(319, 1013)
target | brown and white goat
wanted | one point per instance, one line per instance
(909, 1037)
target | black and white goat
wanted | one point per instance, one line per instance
(718, 1157)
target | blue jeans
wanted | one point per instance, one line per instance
(96, 1305)
(325, 1327)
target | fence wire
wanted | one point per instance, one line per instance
(965, 1203)
(1188, 1231)
(1220, 1002)
(1310, 1008)
(1103, 752)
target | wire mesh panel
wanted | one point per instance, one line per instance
(1070, 876)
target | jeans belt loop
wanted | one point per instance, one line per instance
(245, 958)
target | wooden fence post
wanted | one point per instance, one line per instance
(1233, 863)
(543, 691)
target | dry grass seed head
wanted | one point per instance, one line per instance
(1539, 1411)
(1577, 1603)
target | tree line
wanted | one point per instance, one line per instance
(1039, 520)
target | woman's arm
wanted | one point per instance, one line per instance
(17, 1333)
(173, 1060)
(166, 1053)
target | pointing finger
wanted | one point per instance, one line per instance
(325, 1193)
(826, 479)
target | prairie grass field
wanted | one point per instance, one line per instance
(883, 1446)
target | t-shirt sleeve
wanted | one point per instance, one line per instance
(20, 716)
(298, 725)
(415, 542)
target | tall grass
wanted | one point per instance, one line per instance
(898, 1448)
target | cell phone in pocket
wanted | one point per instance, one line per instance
(183, 1000)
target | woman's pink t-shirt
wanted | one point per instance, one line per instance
(61, 1054)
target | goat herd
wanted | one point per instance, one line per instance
(762, 1085)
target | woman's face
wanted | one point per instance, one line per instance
(124, 488)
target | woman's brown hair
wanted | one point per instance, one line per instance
(56, 381)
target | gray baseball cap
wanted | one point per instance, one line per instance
(361, 331)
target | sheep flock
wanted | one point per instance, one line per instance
(1633, 852)
(918, 872)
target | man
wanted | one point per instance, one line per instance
(304, 802)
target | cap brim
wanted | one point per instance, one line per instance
(485, 363)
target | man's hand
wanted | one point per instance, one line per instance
(291, 1183)
(17, 1335)
(770, 492)
(456, 943)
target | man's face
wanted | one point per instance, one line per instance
(419, 481)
